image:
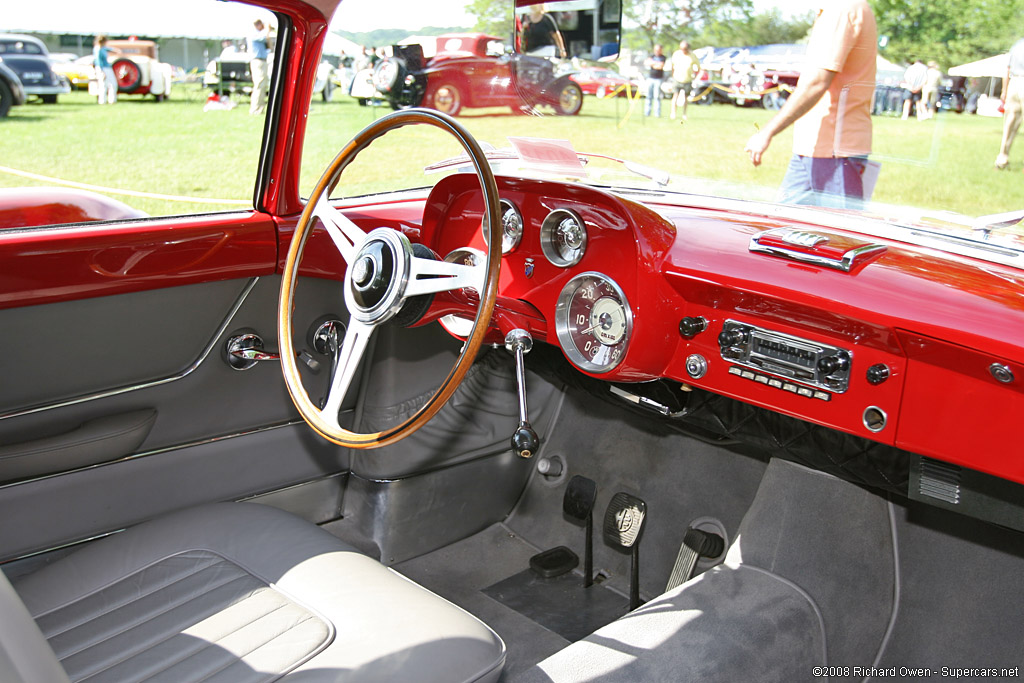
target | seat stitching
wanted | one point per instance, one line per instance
(205, 646)
(213, 561)
(152, 616)
(270, 676)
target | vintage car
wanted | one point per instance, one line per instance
(138, 69)
(473, 70)
(229, 73)
(11, 92)
(604, 83)
(77, 70)
(495, 399)
(27, 57)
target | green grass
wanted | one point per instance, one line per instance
(175, 148)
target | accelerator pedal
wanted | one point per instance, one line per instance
(696, 544)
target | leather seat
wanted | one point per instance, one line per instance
(235, 592)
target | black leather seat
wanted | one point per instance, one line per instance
(234, 592)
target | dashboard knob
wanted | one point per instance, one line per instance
(691, 326)
(878, 373)
(831, 364)
(731, 337)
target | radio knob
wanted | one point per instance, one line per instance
(828, 365)
(731, 337)
(878, 373)
(691, 326)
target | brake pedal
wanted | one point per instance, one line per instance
(623, 524)
(696, 544)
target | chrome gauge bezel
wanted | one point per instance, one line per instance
(549, 236)
(509, 241)
(567, 331)
(456, 324)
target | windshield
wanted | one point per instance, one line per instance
(903, 125)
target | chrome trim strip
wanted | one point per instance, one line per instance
(154, 383)
(846, 263)
(156, 451)
(70, 544)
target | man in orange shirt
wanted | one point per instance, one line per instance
(831, 110)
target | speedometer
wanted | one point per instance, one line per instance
(593, 321)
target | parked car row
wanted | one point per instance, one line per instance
(27, 72)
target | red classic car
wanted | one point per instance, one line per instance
(604, 83)
(474, 70)
(523, 398)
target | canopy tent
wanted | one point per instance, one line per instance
(993, 67)
(337, 46)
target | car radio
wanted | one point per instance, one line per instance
(810, 363)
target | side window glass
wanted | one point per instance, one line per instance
(138, 113)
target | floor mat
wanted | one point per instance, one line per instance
(560, 604)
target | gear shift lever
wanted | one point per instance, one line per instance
(525, 441)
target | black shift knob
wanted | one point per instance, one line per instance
(525, 441)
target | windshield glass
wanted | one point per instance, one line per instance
(881, 117)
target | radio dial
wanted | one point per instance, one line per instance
(731, 337)
(828, 365)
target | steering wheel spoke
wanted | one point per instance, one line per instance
(345, 234)
(357, 337)
(427, 276)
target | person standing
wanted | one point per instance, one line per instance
(1013, 102)
(540, 34)
(685, 69)
(831, 110)
(259, 49)
(655, 65)
(106, 81)
(913, 83)
(930, 92)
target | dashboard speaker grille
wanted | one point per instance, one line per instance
(939, 480)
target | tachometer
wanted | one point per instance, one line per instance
(593, 321)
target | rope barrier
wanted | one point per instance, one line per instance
(128, 193)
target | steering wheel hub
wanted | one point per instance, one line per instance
(376, 281)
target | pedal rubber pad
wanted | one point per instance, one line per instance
(624, 520)
(580, 496)
(554, 562)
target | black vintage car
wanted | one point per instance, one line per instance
(473, 70)
(27, 57)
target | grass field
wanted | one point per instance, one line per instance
(175, 148)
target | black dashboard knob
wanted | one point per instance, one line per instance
(731, 337)
(878, 373)
(830, 364)
(691, 326)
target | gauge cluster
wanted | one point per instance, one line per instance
(563, 234)
(593, 322)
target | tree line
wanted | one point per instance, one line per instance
(948, 31)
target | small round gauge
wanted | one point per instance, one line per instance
(593, 321)
(563, 237)
(511, 227)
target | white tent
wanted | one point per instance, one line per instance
(993, 67)
(336, 46)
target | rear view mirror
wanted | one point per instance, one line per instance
(574, 29)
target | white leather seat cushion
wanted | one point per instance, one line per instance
(240, 592)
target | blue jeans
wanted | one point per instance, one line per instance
(653, 96)
(835, 182)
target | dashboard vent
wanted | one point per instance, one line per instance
(939, 480)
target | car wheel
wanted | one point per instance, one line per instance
(48, 99)
(570, 100)
(6, 98)
(127, 73)
(774, 101)
(601, 92)
(447, 99)
(362, 101)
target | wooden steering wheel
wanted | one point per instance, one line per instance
(383, 272)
